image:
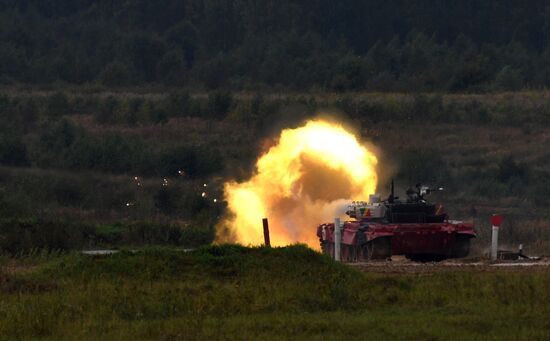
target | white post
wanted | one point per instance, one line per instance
(337, 239)
(494, 243)
(520, 249)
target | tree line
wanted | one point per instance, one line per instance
(391, 45)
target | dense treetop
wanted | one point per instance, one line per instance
(464, 45)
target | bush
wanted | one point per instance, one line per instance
(57, 104)
(171, 68)
(219, 104)
(118, 154)
(17, 236)
(133, 106)
(509, 169)
(540, 194)
(106, 112)
(27, 111)
(159, 115)
(177, 103)
(508, 78)
(145, 113)
(166, 200)
(116, 74)
(22, 236)
(349, 74)
(196, 162)
(423, 165)
(427, 108)
(68, 193)
(248, 111)
(53, 142)
(13, 152)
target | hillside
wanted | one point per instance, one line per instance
(72, 155)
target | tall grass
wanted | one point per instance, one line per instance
(243, 293)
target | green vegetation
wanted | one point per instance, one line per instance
(72, 155)
(376, 45)
(19, 237)
(258, 293)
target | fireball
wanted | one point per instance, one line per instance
(307, 178)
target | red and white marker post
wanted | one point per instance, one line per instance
(496, 221)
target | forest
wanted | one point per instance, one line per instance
(391, 45)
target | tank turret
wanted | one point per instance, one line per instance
(416, 208)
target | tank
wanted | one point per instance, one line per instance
(413, 227)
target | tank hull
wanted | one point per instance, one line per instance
(418, 241)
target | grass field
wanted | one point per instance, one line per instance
(234, 292)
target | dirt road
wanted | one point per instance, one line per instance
(400, 266)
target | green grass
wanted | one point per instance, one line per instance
(235, 292)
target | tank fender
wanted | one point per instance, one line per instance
(471, 234)
(325, 232)
(349, 235)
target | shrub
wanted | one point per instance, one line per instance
(427, 108)
(127, 111)
(166, 200)
(118, 154)
(106, 110)
(423, 165)
(508, 78)
(27, 110)
(159, 115)
(145, 113)
(21, 236)
(247, 111)
(177, 103)
(25, 235)
(57, 104)
(116, 74)
(68, 193)
(51, 144)
(171, 68)
(219, 104)
(12, 151)
(194, 161)
(349, 74)
(508, 169)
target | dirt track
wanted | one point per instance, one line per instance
(400, 266)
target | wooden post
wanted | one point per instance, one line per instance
(266, 232)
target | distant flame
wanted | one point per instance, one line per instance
(304, 180)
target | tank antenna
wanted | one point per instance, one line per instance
(390, 199)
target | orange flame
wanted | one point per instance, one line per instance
(308, 178)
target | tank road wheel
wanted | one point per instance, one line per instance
(379, 248)
(324, 246)
(461, 247)
(327, 248)
(351, 253)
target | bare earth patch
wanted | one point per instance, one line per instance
(404, 266)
